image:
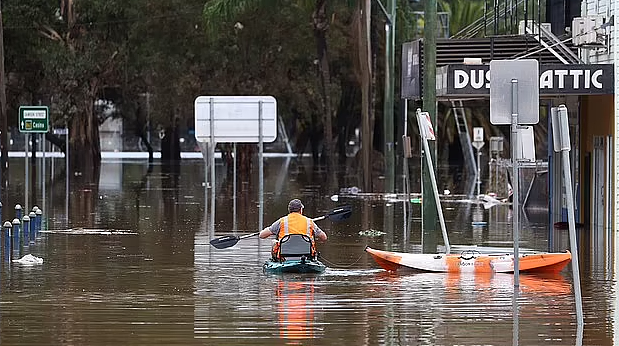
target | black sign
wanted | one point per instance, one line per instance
(463, 80)
(411, 70)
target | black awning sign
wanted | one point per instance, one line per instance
(554, 79)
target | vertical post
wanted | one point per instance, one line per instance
(7, 241)
(33, 225)
(615, 45)
(4, 128)
(515, 178)
(66, 192)
(27, 174)
(429, 213)
(18, 211)
(212, 164)
(388, 102)
(405, 153)
(43, 183)
(261, 167)
(26, 222)
(39, 221)
(478, 171)
(234, 187)
(15, 237)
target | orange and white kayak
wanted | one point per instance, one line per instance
(471, 262)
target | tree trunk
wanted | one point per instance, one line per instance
(366, 73)
(84, 145)
(170, 149)
(321, 25)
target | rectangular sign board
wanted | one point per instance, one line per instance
(33, 119)
(235, 118)
(525, 73)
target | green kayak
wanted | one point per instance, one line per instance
(293, 266)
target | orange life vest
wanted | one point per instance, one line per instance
(294, 223)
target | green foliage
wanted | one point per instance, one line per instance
(462, 13)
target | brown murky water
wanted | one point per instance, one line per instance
(164, 285)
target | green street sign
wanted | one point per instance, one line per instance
(33, 119)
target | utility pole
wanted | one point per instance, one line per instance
(429, 212)
(4, 133)
(389, 149)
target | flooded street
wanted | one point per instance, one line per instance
(157, 281)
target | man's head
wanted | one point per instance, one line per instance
(295, 206)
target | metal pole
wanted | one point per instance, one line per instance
(569, 195)
(388, 102)
(27, 174)
(261, 167)
(478, 171)
(43, 180)
(234, 187)
(515, 177)
(439, 209)
(66, 192)
(405, 170)
(212, 153)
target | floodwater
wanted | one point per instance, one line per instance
(155, 280)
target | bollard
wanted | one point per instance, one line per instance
(7, 241)
(26, 222)
(33, 225)
(15, 241)
(18, 211)
(39, 214)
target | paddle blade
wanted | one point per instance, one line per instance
(225, 242)
(340, 213)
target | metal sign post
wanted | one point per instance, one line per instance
(478, 143)
(561, 141)
(427, 133)
(32, 119)
(233, 119)
(514, 100)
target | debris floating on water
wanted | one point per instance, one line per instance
(371, 233)
(29, 260)
(78, 231)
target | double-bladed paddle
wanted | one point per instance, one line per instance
(337, 214)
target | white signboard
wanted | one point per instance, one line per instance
(526, 73)
(478, 134)
(425, 126)
(527, 144)
(236, 119)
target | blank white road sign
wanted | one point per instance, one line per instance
(235, 118)
(526, 72)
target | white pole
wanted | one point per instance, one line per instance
(515, 178)
(212, 153)
(234, 187)
(615, 49)
(261, 167)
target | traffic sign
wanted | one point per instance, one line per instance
(33, 119)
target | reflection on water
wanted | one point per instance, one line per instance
(163, 284)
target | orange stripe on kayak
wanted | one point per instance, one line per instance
(453, 263)
(483, 264)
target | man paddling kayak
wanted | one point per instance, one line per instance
(293, 223)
